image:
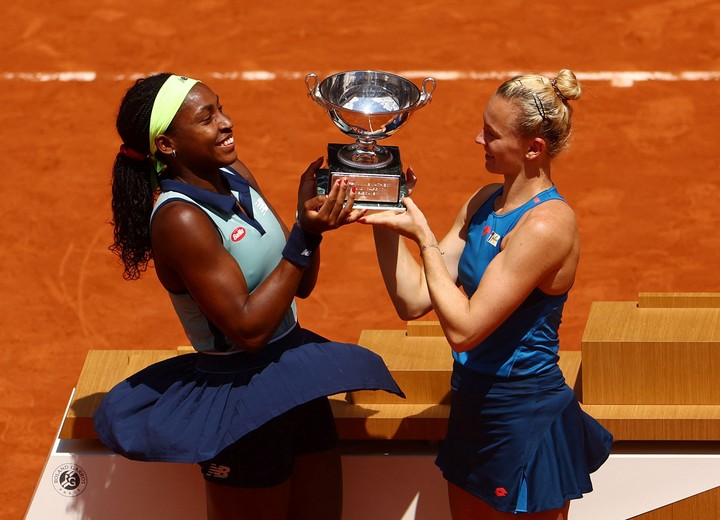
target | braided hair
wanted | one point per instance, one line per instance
(134, 182)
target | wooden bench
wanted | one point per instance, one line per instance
(647, 370)
(419, 359)
(650, 368)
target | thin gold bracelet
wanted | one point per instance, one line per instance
(428, 246)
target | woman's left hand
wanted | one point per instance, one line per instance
(410, 223)
(410, 180)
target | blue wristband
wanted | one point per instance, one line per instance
(300, 246)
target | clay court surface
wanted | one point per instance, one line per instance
(643, 173)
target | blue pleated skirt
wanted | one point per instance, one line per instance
(190, 407)
(520, 445)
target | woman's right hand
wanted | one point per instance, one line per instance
(320, 213)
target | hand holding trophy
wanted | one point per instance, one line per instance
(368, 106)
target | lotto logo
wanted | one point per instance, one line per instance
(501, 492)
(216, 471)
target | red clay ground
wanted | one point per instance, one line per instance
(642, 173)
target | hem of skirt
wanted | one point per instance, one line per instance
(373, 376)
(492, 502)
(596, 466)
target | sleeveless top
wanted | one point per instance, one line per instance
(527, 342)
(255, 241)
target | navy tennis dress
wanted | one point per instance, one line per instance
(517, 437)
(191, 407)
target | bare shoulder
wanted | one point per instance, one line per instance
(553, 212)
(183, 237)
(181, 224)
(552, 222)
(178, 214)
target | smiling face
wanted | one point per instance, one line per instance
(200, 133)
(505, 149)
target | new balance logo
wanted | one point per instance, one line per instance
(216, 471)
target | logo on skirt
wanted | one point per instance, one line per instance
(501, 492)
(217, 471)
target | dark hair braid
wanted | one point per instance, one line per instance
(133, 189)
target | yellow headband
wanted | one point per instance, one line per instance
(169, 99)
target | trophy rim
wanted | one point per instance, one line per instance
(338, 107)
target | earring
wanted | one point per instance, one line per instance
(173, 153)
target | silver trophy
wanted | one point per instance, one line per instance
(368, 105)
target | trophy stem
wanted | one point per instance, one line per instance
(365, 154)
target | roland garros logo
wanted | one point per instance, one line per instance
(238, 234)
(69, 480)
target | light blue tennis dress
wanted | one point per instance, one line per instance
(191, 407)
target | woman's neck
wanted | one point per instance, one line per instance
(208, 181)
(519, 189)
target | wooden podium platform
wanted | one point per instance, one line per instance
(419, 359)
(650, 368)
(647, 371)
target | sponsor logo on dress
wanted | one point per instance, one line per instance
(217, 471)
(493, 239)
(501, 492)
(261, 206)
(69, 480)
(238, 234)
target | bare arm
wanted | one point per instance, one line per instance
(404, 277)
(189, 255)
(541, 252)
(309, 279)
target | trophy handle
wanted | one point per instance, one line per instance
(426, 95)
(312, 82)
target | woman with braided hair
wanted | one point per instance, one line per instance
(250, 407)
(517, 440)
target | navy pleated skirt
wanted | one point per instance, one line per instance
(190, 407)
(520, 445)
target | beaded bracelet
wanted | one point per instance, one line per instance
(300, 246)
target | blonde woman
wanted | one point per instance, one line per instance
(518, 442)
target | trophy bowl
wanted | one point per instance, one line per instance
(368, 105)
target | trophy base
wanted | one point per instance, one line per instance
(379, 189)
(353, 156)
